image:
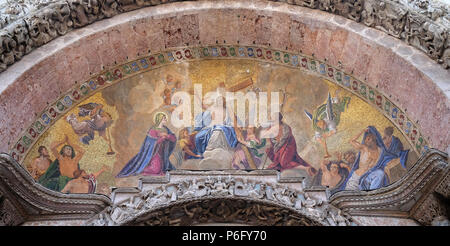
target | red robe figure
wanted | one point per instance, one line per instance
(283, 150)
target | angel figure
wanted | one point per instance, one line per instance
(99, 121)
(326, 118)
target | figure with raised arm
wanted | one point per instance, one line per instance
(62, 169)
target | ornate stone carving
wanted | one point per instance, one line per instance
(223, 211)
(21, 36)
(443, 188)
(434, 9)
(85, 12)
(128, 5)
(49, 23)
(313, 4)
(7, 49)
(445, 59)
(425, 35)
(41, 32)
(165, 198)
(431, 209)
(348, 8)
(109, 8)
(9, 216)
(61, 18)
(386, 16)
(11, 11)
(435, 208)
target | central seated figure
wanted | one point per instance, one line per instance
(215, 137)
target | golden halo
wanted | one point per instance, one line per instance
(156, 114)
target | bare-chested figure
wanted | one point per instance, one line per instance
(62, 169)
(68, 161)
(333, 172)
(83, 182)
(40, 164)
(330, 177)
(368, 158)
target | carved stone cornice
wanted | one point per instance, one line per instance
(9, 214)
(424, 27)
(31, 201)
(221, 199)
(408, 197)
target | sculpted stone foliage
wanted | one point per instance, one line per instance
(435, 209)
(425, 35)
(85, 12)
(348, 8)
(7, 48)
(386, 16)
(423, 24)
(231, 200)
(24, 45)
(431, 210)
(9, 215)
(433, 9)
(11, 11)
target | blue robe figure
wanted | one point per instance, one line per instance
(153, 157)
(202, 126)
(375, 177)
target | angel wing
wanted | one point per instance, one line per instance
(309, 115)
(88, 106)
(330, 114)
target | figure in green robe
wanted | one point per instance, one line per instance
(326, 118)
(61, 171)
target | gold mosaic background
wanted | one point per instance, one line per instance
(133, 102)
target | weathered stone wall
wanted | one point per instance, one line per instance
(28, 24)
